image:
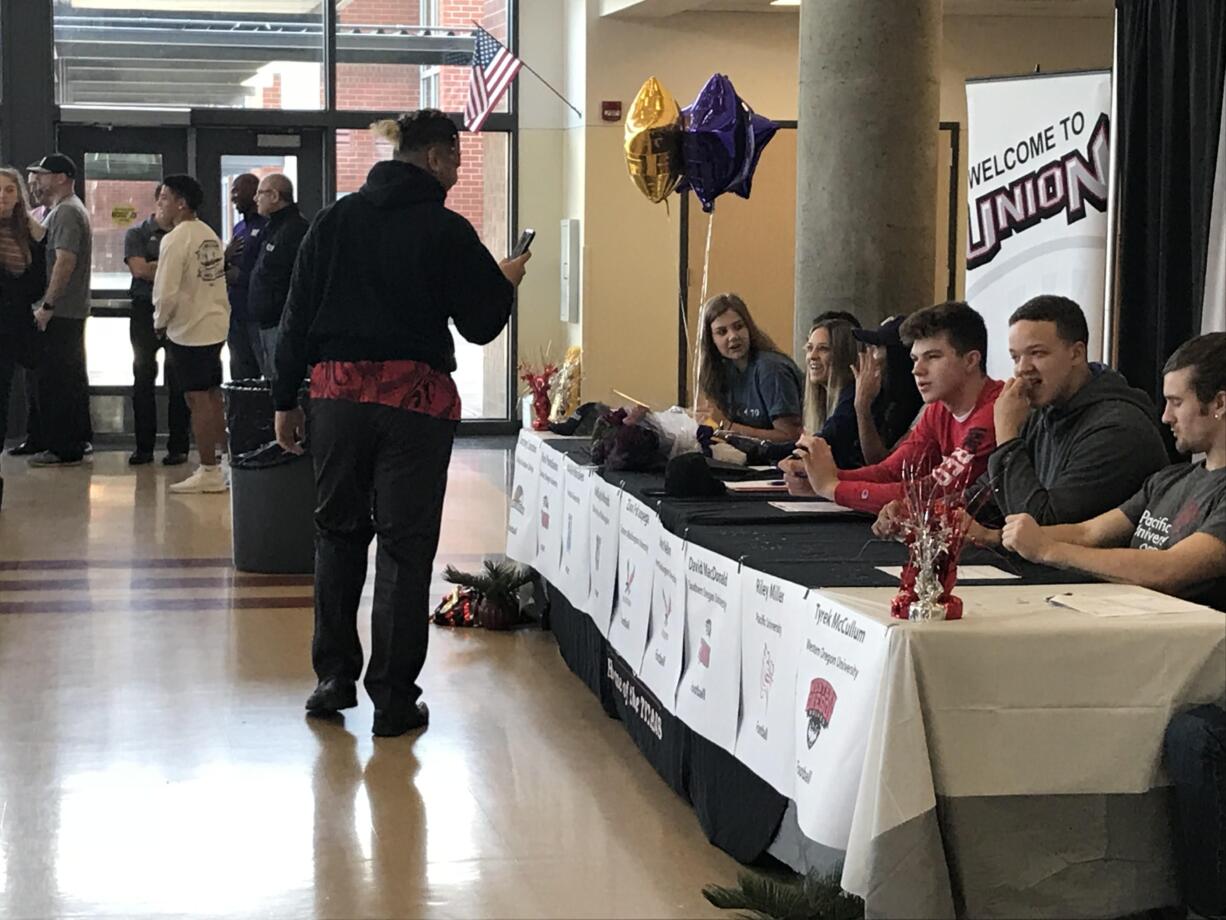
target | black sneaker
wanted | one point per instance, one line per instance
(174, 459)
(26, 449)
(332, 695)
(388, 727)
(140, 458)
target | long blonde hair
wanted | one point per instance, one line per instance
(713, 373)
(18, 223)
(822, 398)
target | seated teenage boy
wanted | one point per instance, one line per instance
(1060, 423)
(1180, 510)
(954, 434)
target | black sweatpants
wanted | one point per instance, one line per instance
(378, 471)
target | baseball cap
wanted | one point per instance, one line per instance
(55, 163)
(886, 334)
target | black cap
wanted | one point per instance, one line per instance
(688, 476)
(54, 163)
(886, 334)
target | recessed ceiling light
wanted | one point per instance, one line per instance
(785, 2)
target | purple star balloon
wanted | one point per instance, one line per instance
(713, 141)
(721, 142)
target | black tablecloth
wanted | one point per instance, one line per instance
(739, 812)
(824, 551)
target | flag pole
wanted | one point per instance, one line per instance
(530, 70)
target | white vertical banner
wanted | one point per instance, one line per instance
(522, 508)
(709, 695)
(603, 540)
(772, 622)
(1213, 315)
(549, 522)
(574, 568)
(839, 663)
(1038, 171)
(661, 668)
(632, 610)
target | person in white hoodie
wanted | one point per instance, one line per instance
(192, 310)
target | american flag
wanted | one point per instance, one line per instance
(494, 67)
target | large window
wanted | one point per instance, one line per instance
(267, 54)
(409, 54)
(251, 56)
(189, 53)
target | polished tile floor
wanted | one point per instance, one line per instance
(155, 759)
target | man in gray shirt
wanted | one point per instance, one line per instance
(63, 383)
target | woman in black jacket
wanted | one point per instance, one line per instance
(23, 279)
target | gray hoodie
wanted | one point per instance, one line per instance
(1074, 461)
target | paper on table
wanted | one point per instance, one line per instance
(1135, 603)
(812, 507)
(965, 572)
(757, 485)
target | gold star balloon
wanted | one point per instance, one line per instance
(653, 141)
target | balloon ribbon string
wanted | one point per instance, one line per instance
(702, 300)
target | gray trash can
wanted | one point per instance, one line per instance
(272, 512)
(272, 493)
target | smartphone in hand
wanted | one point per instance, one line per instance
(523, 243)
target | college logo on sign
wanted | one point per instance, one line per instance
(819, 707)
(766, 677)
(517, 500)
(668, 608)
(597, 556)
(545, 511)
(1064, 185)
(704, 647)
(629, 581)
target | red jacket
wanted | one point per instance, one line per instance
(940, 442)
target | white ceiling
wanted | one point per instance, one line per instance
(1046, 8)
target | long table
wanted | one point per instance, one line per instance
(1005, 765)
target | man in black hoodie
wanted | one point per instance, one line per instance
(379, 275)
(1073, 438)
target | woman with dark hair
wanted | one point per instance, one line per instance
(886, 399)
(23, 278)
(755, 387)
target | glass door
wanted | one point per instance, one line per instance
(118, 172)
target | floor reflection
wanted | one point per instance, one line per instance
(155, 759)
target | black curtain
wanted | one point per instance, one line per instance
(1171, 65)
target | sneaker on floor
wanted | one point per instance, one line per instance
(140, 458)
(87, 448)
(50, 458)
(172, 459)
(332, 695)
(205, 479)
(388, 727)
(25, 449)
